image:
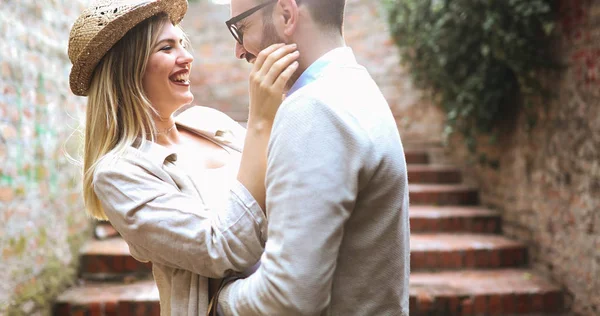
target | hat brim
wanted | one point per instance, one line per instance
(82, 70)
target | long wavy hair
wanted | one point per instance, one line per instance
(119, 114)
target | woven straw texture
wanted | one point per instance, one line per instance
(102, 25)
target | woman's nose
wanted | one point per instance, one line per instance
(185, 57)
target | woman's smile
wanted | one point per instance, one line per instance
(181, 78)
(169, 60)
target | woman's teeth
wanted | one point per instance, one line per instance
(181, 78)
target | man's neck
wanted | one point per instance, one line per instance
(312, 49)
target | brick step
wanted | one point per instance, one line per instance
(441, 174)
(425, 218)
(443, 194)
(100, 299)
(110, 259)
(457, 251)
(104, 230)
(473, 292)
(449, 293)
(415, 156)
(422, 144)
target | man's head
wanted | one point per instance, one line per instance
(261, 23)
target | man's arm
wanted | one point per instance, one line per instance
(314, 162)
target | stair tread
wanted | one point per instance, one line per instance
(432, 167)
(416, 156)
(416, 151)
(456, 187)
(419, 242)
(105, 230)
(462, 241)
(142, 291)
(432, 211)
(444, 283)
(421, 145)
(434, 174)
(111, 246)
(479, 282)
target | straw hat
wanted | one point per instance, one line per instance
(102, 25)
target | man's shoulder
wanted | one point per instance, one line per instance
(339, 88)
(349, 79)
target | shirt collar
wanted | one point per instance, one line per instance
(156, 153)
(337, 56)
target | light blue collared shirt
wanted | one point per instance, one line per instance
(316, 69)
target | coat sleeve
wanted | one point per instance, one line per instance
(164, 225)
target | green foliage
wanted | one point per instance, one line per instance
(37, 293)
(478, 57)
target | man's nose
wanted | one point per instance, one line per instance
(240, 51)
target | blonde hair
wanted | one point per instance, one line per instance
(119, 114)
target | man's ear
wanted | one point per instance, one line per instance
(288, 16)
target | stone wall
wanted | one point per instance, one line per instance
(220, 80)
(544, 174)
(42, 220)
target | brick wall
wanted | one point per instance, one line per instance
(545, 176)
(220, 80)
(41, 210)
(41, 214)
(545, 179)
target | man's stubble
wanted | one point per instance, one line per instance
(271, 37)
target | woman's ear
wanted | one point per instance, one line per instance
(288, 10)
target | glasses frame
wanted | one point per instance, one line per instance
(231, 23)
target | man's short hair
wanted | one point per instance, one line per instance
(328, 13)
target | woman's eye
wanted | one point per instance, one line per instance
(166, 48)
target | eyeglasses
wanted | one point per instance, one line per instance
(231, 24)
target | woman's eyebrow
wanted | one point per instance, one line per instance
(169, 40)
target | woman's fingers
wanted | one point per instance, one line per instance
(272, 58)
(279, 67)
(273, 68)
(285, 76)
(262, 56)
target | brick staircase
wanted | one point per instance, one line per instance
(460, 263)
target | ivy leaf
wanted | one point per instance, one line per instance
(478, 57)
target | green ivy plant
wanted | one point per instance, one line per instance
(478, 57)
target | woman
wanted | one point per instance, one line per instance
(168, 184)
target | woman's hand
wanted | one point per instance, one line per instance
(273, 68)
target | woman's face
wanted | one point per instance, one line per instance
(166, 80)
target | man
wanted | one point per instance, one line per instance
(337, 191)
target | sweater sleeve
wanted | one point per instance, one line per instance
(314, 161)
